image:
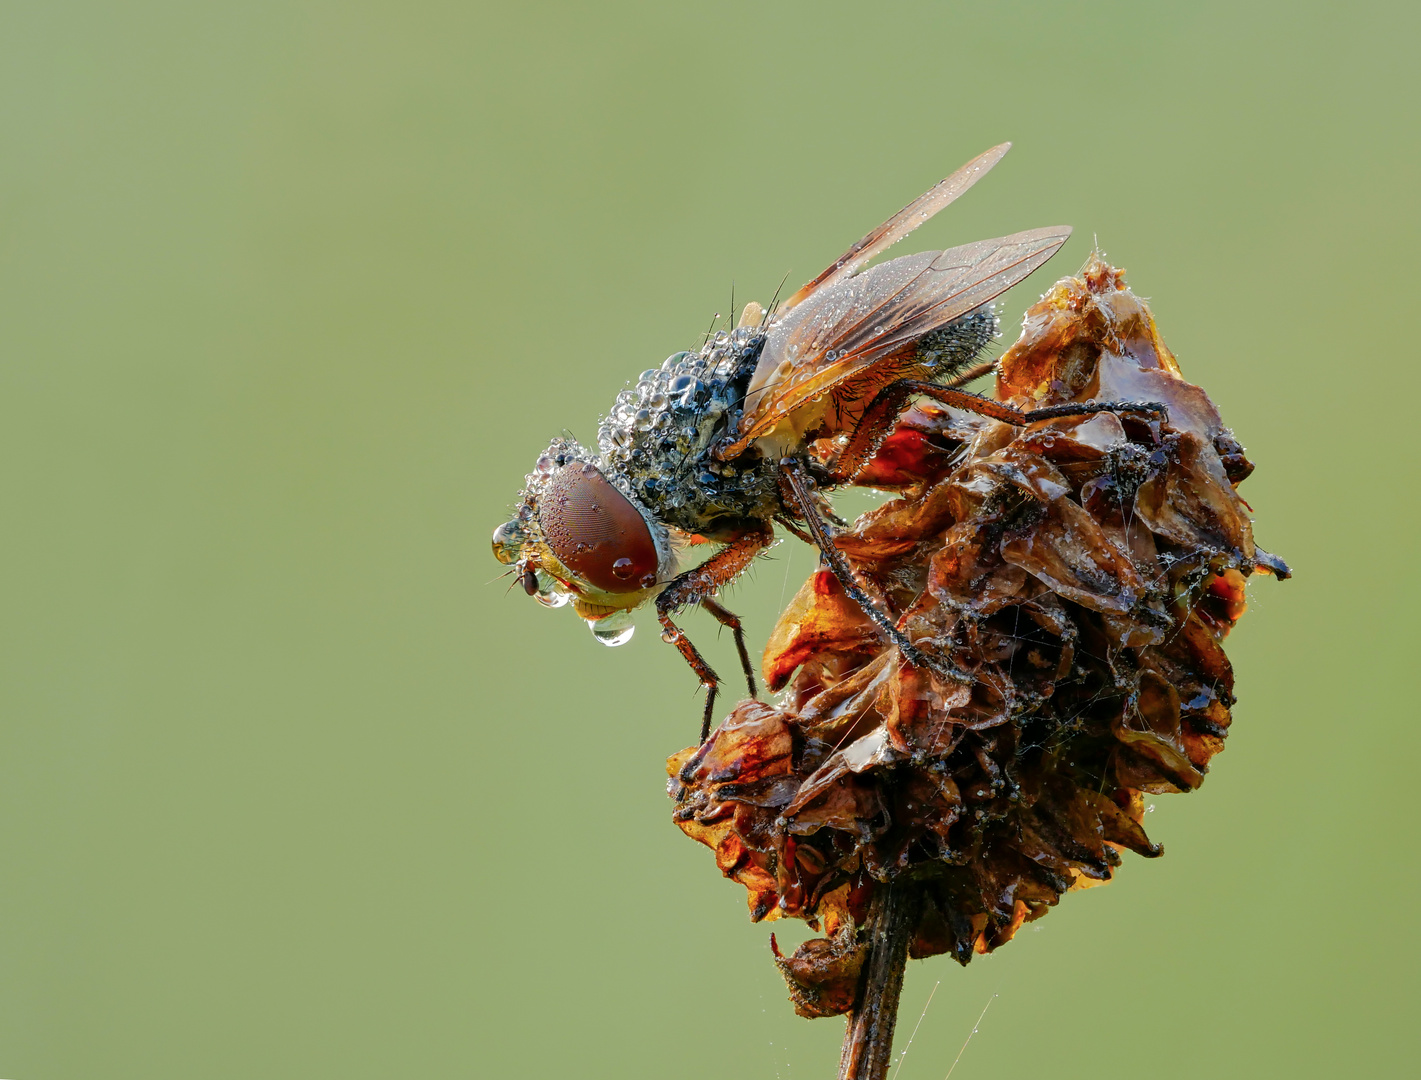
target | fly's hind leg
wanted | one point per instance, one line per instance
(698, 586)
(870, 431)
(882, 413)
(961, 399)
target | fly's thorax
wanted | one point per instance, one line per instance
(660, 432)
(581, 536)
(936, 356)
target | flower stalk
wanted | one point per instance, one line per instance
(868, 1035)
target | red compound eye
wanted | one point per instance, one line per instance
(595, 531)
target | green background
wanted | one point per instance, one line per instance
(292, 294)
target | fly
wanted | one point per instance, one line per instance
(714, 445)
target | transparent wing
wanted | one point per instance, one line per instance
(844, 329)
(902, 223)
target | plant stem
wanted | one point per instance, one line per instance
(868, 1038)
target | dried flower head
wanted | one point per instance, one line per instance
(1084, 571)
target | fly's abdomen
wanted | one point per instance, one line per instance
(945, 351)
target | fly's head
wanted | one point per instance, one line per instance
(578, 537)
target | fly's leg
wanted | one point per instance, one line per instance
(961, 399)
(873, 427)
(728, 618)
(796, 489)
(698, 586)
(795, 530)
(962, 378)
(882, 413)
(673, 634)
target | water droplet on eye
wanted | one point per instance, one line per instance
(623, 568)
(615, 629)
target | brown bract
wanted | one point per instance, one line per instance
(1084, 572)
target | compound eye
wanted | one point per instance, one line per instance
(595, 531)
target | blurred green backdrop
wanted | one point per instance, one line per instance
(291, 295)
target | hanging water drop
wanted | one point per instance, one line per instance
(614, 629)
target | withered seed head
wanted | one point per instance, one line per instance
(1084, 570)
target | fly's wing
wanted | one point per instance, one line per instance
(902, 223)
(846, 328)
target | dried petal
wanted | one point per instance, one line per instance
(1084, 571)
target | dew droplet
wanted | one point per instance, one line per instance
(614, 629)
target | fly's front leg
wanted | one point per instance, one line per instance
(728, 618)
(796, 490)
(698, 586)
(673, 635)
